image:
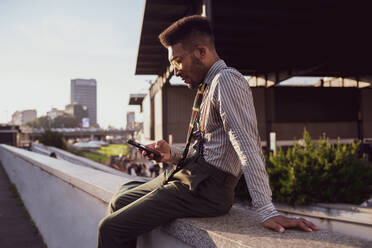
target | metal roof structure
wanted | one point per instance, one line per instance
(269, 38)
(136, 99)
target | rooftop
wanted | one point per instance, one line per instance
(276, 39)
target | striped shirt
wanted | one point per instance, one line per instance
(231, 139)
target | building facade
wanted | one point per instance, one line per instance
(339, 112)
(131, 120)
(77, 110)
(84, 92)
(20, 118)
(9, 135)
(53, 113)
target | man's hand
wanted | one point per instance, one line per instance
(161, 146)
(279, 223)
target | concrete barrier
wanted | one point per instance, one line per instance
(67, 201)
(67, 156)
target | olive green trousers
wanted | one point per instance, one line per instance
(197, 190)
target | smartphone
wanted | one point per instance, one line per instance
(143, 147)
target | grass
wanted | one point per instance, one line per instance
(99, 158)
(102, 155)
(114, 149)
(105, 152)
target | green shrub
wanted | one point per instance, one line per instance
(309, 173)
(55, 139)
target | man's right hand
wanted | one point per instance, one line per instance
(161, 146)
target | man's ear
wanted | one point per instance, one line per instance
(201, 52)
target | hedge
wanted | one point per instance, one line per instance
(312, 172)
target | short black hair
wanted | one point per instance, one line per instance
(189, 31)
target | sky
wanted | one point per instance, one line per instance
(46, 43)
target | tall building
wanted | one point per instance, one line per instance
(22, 117)
(84, 92)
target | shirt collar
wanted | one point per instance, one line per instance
(214, 70)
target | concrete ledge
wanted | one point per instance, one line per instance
(96, 183)
(332, 212)
(61, 154)
(67, 201)
(345, 207)
(346, 219)
(241, 229)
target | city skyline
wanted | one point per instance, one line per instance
(45, 44)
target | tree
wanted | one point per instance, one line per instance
(62, 121)
(55, 139)
(65, 121)
(41, 122)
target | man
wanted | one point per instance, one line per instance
(226, 145)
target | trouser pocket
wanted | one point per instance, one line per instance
(191, 177)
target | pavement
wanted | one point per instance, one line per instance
(16, 226)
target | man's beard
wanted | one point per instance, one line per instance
(193, 86)
(199, 68)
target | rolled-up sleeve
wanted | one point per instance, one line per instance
(176, 154)
(235, 103)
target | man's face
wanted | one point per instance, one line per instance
(186, 65)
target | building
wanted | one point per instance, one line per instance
(84, 92)
(131, 120)
(9, 134)
(20, 118)
(136, 100)
(55, 113)
(166, 112)
(283, 109)
(77, 110)
(338, 105)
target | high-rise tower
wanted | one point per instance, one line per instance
(84, 92)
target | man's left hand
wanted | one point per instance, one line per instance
(279, 223)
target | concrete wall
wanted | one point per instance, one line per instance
(67, 201)
(315, 104)
(288, 110)
(290, 131)
(179, 106)
(284, 110)
(64, 200)
(366, 103)
(158, 115)
(61, 154)
(146, 109)
(259, 104)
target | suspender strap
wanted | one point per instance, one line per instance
(194, 117)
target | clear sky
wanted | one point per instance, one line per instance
(46, 43)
